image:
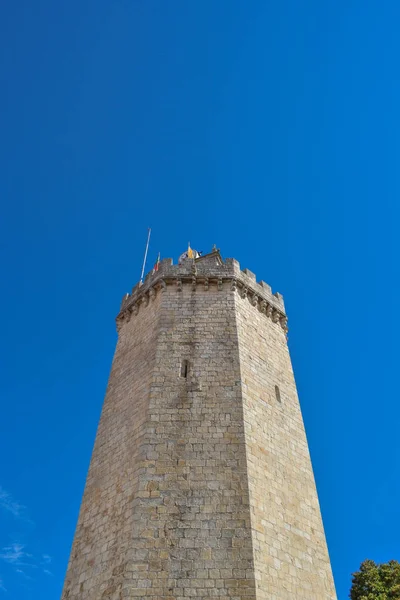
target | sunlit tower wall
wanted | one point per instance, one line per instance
(200, 483)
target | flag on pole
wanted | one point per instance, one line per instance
(157, 264)
(190, 252)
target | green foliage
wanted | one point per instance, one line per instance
(376, 582)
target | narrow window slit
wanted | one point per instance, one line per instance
(184, 368)
(278, 394)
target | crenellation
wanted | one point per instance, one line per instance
(279, 297)
(249, 274)
(234, 264)
(165, 262)
(124, 301)
(209, 269)
(265, 287)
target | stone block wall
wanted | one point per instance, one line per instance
(290, 554)
(200, 483)
(192, 522)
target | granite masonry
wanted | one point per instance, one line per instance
(200, 483)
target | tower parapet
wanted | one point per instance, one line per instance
(208, 271)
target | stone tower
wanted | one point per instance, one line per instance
(200, 483)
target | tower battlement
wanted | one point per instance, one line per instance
(205, 272)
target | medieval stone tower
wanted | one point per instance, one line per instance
(200, 484)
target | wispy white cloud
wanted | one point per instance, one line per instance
(46, 560)
(21, 561)
(23, 574)
(10, 505)
(14, 554)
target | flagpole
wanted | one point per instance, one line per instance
(145, 255)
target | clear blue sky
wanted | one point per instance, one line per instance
(268, 128)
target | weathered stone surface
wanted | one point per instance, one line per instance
(200, 483)
(290, 554)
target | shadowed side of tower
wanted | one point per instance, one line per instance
(104, 529)
(200, 483)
